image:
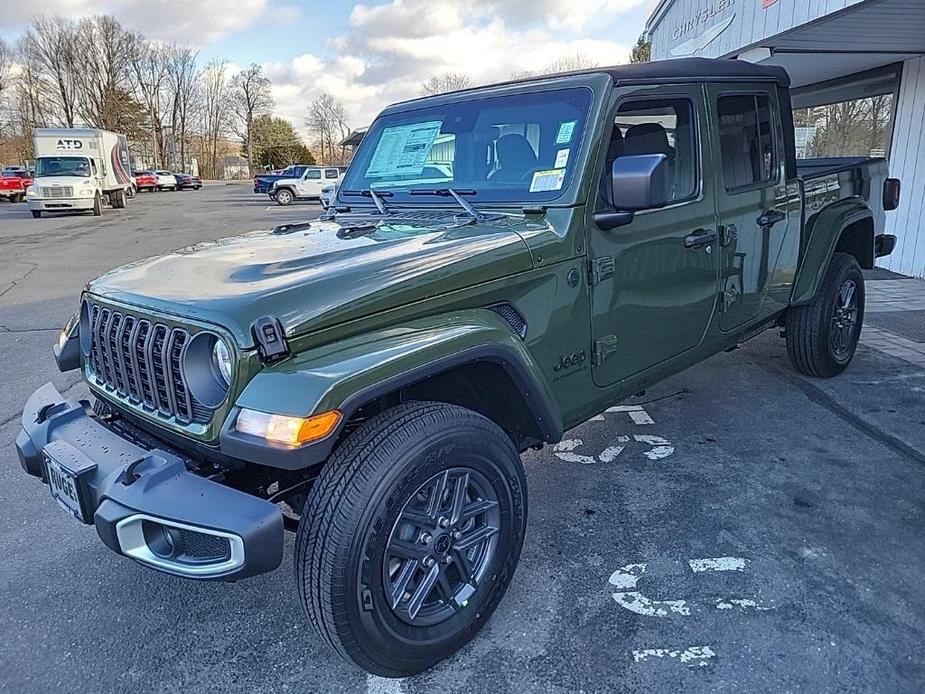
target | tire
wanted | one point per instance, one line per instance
(117, 199)
(822, 336)
(97, 205)
(284, 197)
(345, 561)
(130, 192)
(36, 214)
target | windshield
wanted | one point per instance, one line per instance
(514, 148)
(62, 166)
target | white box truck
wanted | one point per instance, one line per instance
(79, 169)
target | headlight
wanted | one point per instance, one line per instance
(222, 359)
(292, 431)
(30, 192)
(208, 368)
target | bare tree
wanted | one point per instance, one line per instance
(6, 85)
(148, 65)
(54, 46)
(103, 79)
(250, 97)
(568, 63)
(182, 77)
(447, 82)
(327, 122)
(215, 115)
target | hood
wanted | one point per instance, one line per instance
(312, 278)
(60, 181)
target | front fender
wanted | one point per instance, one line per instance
(347, 374)
(823, 232)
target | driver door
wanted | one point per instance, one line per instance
(310, 184)
(654, 280)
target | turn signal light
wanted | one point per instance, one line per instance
(292, 431)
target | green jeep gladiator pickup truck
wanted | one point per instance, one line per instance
(501, 264)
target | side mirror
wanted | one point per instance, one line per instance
(639, 182)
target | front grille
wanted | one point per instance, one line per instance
(58, 192)
(141, 361)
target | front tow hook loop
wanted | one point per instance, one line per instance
(128, 474)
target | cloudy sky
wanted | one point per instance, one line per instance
(372, 53)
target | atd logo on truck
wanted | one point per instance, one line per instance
(69, 144)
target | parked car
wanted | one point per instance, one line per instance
(12, 186)
(307, 187)
(383, 368)
(165, 180)
(262, 182)
(187, 181)
(145, 180)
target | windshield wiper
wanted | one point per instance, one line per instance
(377, 197)
(455, 194)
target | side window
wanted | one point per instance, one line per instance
(93, 166)
(331, 173)
(746, 140)
(660, 126)
(313, 175)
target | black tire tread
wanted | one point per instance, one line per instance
(336, 503)
(805, 341)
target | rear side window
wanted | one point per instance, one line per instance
(660, 126)
(330, 173)
(746, 140)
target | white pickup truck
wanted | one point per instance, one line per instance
(76, 169)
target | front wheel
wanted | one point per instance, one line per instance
(97, 205)
(36, 214)
(284, 197)
(410, 536)
(823, 335)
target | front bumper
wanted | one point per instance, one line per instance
(60, 204)
(147, 504)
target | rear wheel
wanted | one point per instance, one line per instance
(410, 536)
(36, 214)
(823, 335)
(284, 197)
(117, 199)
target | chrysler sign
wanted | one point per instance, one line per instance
(706, 24)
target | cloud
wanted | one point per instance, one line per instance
(391, 49)
(195, 23)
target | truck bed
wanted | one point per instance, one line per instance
(821, 166)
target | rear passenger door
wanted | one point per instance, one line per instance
(752, 201)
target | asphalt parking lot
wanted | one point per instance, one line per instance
(737, 528)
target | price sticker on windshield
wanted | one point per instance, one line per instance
(550, 179)
(565, 132)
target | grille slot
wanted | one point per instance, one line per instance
(141, 361)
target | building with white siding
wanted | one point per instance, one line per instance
(858, 73)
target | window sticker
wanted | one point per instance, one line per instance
(565, 132)
(403, 149)
(561, 158)
(550, 179)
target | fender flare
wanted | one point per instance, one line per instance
(348, 374)
(822, 237)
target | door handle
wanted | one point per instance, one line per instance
(769, 218)
(700, 237)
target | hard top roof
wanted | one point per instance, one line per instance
(687, 69)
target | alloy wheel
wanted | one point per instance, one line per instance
(441, 546)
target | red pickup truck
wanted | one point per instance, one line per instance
(12, 186)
